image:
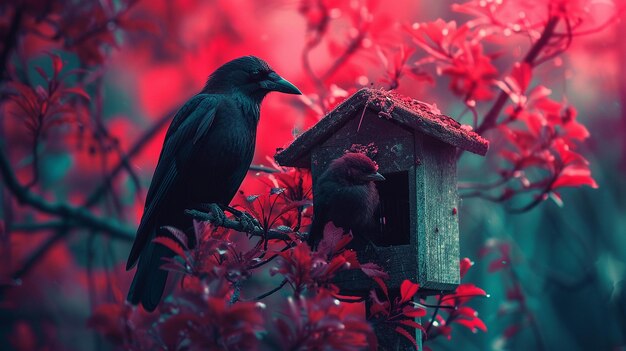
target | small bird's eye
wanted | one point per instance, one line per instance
(256, 74)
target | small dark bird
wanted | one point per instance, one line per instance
(207, 151)
(346, 195)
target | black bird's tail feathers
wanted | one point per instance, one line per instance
(316, 232)
(149, 281)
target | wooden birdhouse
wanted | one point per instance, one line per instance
(416, 234)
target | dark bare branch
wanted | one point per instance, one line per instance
(239, 226)
(79, 215)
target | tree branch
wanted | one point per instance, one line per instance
(11, 39)
(239, 226)
(261, 168)
(434, 317)
(39, 253)
(80, 215)
(262, 296)
(491, 118)
(36, 227)
(125, 160)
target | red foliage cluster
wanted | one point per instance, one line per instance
(321, 322)
(41, 108)
(456, 310)
(542, 133)
(545, 140)
(458, 53)
(399, 313)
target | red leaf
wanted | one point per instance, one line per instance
(467, 291)
(333, 240)
(407, 335)
(408, 290)
(472, 324)
(515, 294)
(77, 91)
(575, 177)
(511, 331)
(170, 244)
(377, 306)
(179, 235)
(373, 270)
(57, 64)
(497, 265)
(334, 265)
(41, 72)
(412, 324)
(522, 74)
(466, 311)
(575, 130)
(466, 263)
(382, 285)
(27, 92)
(414, 311)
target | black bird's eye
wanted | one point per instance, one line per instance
(256, 75)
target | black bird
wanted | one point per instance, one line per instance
(346, 195)
(207, 151)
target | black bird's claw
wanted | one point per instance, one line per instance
(218, 214)
(248, 222)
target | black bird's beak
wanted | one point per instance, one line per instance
(375, 177)
(274, 82)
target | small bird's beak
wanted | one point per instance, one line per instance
(375, 177)
(274, 82)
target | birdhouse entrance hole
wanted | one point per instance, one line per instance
(393, 211)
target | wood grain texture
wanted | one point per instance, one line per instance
(438, 228)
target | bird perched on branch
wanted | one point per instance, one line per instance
(346, 195)
(207, 151)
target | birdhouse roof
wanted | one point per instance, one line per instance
(408, 112)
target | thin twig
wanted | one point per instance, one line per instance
(39, 254)
(262, 263)
(355, 300)
(432, 319)
(262, 296)
(261, 168)
(132, 152)
(352, 47)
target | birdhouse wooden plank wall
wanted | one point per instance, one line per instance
(416, 235)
